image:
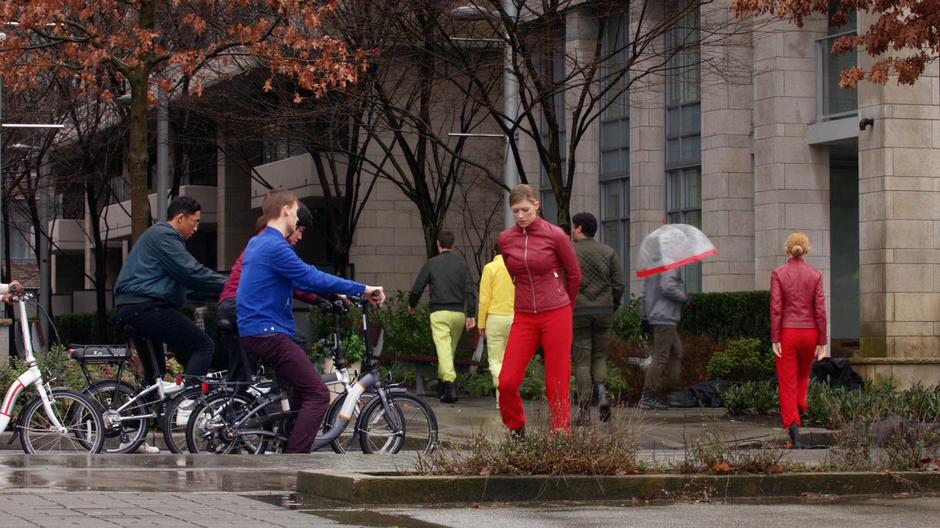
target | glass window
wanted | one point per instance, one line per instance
(615, 139)
(21, 231)
(684, 206)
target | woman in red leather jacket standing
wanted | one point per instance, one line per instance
(797, 329)
(541, 261)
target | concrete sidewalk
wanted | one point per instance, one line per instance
(673, 429)
(664, 437)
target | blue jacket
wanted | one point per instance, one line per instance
(160, 268)
(270, 272)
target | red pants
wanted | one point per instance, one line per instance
(798, 350)
(552, 330)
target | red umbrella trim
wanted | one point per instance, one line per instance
(677, 264)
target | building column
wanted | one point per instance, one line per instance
(580, 41)
(899, 215)
(647, 149)
(727, 168)
(235, 219)
(791, 178)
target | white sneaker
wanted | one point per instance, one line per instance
(170, 388)
(148, 449)
(144, 448)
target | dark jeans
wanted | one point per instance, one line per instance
(162, 323)
(664, 373)
(310, 393)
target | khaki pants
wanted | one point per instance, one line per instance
(446, 329)
(589, 352)
(667, 361)
(497, 335)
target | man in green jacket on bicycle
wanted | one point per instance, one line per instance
(152, 287)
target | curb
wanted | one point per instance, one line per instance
(386, 488)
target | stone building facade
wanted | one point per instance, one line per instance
(749, 139)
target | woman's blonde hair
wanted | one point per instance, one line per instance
(522, 192)
(797, 244)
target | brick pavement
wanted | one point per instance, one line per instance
(57, 509)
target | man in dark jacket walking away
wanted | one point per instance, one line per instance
(602, 286)
(453, 307)
(152, 286)
(662, 306)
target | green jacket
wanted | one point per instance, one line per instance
(160, 268)
(452, 287)
(602, 282)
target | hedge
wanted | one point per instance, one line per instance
(720, 316)
(82, 328)
(728, 315)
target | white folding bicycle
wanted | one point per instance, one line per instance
(55, 420)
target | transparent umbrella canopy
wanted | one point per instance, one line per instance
(672, 246)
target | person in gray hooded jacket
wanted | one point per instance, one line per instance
(662, 306)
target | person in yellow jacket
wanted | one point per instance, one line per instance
(497, 296)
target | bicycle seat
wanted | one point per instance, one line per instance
(224, 325)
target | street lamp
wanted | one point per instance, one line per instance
(510, 95)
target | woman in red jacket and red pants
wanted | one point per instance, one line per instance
(797, 329)
(541, 260)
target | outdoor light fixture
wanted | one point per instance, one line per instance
(865, 123)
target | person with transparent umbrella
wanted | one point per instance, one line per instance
(662, 253)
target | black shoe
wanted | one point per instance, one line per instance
(440, 388)
(584, 414)
(517, 434)
(648, 403)
(450, 392)
(795, 437)
(603, 403)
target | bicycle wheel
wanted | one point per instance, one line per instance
(407, 424)
(121, 435)
(82, 428)
(176, 417)
(211, 425)
(348, 440)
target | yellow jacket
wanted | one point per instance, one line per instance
(497, 292)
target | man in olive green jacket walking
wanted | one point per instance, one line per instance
(602, 287)
(453, 307)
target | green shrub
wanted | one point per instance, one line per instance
(617, 384)
(626, 322)
(82, 328)
(727, 315)
(354, 349)
(751, 398)
(57, 369)
(399, 373)
(533, 384)
(406, 334)
(742, 360)
(477, 384)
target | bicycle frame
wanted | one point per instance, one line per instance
(32, 376)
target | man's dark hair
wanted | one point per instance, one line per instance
(587, 222)
(304, 218)
(445, 239)
(496, 249)
(182, 205)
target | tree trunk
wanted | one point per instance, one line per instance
(138, 157)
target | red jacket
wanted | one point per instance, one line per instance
(797, 299)
(543, 266)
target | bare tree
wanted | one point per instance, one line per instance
(563, 91)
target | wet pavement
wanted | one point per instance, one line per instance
(243, 490)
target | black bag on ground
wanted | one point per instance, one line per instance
(836, 373)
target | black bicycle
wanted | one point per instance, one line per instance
(388, 418)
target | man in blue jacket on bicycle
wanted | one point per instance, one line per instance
(271, 270)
